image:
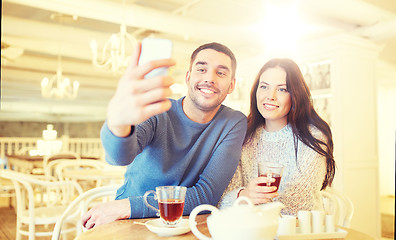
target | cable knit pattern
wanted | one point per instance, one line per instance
(300, 184)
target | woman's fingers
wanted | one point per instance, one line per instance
(264, 180)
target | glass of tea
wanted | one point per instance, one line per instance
(170, 203)
(270, 170)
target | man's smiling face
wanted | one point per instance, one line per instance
(210, 79)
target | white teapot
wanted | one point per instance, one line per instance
(240, 221)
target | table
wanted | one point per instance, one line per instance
(26, 163)
(126, 229)
(92, 174)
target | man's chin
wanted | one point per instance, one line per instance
(208, 105)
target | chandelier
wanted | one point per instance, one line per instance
(115, 55)
(59, 86)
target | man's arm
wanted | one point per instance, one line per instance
(119, 151)
(219, 171)
(213, 180)
(137, 99)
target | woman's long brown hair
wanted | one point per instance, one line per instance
(302, 114)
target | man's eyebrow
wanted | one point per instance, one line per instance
(224, 67)
(219, 66)
(201, 63)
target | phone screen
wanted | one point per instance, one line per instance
(154, 49)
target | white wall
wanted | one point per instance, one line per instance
(386, 90)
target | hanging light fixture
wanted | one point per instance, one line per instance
(115, 55)
(59, 86)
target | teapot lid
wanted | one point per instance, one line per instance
(239, 208)
(243, 206)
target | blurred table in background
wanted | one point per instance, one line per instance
(26, 163)
(97, 177)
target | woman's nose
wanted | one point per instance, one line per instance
(271, 95)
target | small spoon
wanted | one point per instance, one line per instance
(139, 223)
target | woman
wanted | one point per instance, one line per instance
(283, 127)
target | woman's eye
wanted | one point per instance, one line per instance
(283, 90)
(263, 87)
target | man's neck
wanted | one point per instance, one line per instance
(195, 114)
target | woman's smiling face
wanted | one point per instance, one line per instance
(273, 98)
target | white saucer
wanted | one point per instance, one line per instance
(158, 227)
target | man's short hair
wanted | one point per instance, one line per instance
(219, 48)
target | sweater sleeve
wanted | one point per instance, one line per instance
(213, 180)
(121, 151)
(302, 193)
(117, 149)
(219, 171)
(231, 193)
(245, 172)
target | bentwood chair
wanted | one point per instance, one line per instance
(80, 171)
(339, 205)
(82, 204)
(60, 155)
(6, 186)
(33, 221)
(7, 190)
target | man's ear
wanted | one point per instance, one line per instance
(188, 75)
(232, 85)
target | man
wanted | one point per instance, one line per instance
(194, 141)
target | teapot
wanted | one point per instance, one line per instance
(240, 221)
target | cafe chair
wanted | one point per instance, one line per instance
(61, 155)
(7, 190)
(82, 204)
(6, 186)
(339, 205)
(50, 168)
(33, 221)
(73, 170)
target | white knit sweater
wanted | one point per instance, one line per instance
(301, 182)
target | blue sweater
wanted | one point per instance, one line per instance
(171, 149)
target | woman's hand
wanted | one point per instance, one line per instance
(259, 194)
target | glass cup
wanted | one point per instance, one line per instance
(170, 202)
(270, 170)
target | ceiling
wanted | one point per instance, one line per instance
(27, 26)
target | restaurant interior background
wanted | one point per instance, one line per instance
(346, 49)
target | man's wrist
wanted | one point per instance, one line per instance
(126, 209)
(121, 131)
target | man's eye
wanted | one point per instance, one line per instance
(222, 74)
(201, 70)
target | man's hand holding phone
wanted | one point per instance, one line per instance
(143, 90)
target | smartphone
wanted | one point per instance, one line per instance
(154, 49)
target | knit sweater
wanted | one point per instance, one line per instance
(171, 149)
(301, 181)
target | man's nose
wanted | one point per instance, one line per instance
(211, 77)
